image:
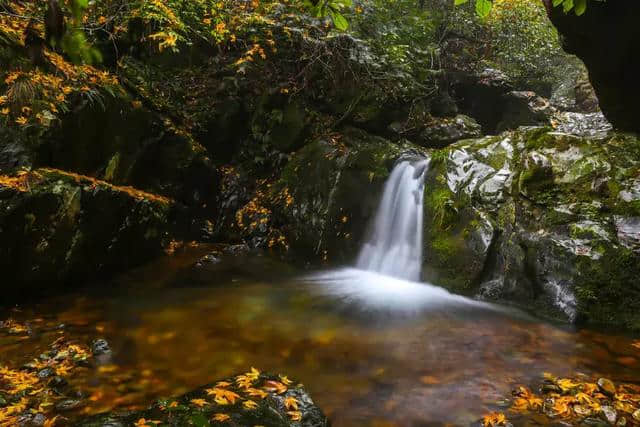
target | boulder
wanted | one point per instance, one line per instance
(59, 228)
(267, 400)
(605, 37)
(544, 219)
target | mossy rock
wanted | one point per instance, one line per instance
(565, 228)
(59, 228)
(280, 405)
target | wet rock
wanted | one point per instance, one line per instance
(628, 230)
(609, 414)
(538, 218)
(593, 422)
(324, 218)
(236, 250)
(100, 347)
(524, 108)
(69, 405)
(622, 422)
(607, 387)
(207, 260)
(198, 407)
(582, 124)
(445, 131)
(615, 35)
(59, 227)
(636, 415)
(57, 382)
(46, 373)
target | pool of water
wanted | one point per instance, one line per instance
(370, 349)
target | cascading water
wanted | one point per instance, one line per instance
(394, 246)
(389, 264)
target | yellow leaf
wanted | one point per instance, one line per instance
(199, 402)
(21, 120)
(291, 403)
(494, 419)
(221, 417)
(275, 386)
(295, 415)
(250, 404)
(4, 111)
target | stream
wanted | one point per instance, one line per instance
(176, 324)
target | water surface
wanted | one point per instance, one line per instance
(371, 350)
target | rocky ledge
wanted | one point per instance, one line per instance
(59, 227)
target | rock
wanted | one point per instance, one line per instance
(607, 387)
(207, 260)
(46, 373)
(106, 141)
(622, 422)
(603, 37)
(236, 250)
(198, 407)
(636, 415)
(609, 414)
(69, 405)
(445, 131)
(540, 219)
(57, 382)
(593, 422)
(587, 125)
(323, 216)
(56, 227)
(524, 108)
(100, 347)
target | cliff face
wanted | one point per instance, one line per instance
(606, 39)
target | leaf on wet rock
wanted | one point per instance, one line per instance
(199, 402)
(295, 415)
(275, 386)
(223, 396)
(221, 417)
(291, 403)
(249, 404)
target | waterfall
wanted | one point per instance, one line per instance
(394, 246)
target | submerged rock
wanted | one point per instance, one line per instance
(245, 400)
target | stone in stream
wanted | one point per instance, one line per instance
(607, 386)
(609, 414)
(100, 347)
(245, 400)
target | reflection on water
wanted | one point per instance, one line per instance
(368, 348)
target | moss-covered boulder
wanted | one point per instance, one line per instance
(544, 219)
(59, 228)
(246, 400)
(334, 184)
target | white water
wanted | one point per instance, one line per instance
(390, 262)
(394, 247)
